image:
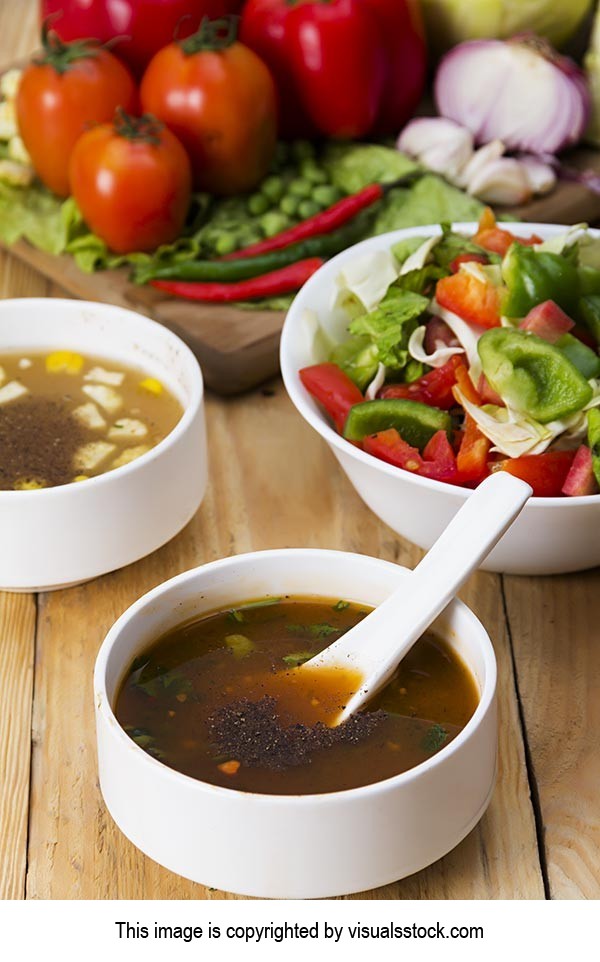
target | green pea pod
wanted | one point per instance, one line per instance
(533, 276)
(585, 360)
(415, 423)
(593, 419)
(532, 375)
(589, 310)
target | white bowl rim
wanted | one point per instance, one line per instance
(298, 394)
(189, 411)
(104, 706)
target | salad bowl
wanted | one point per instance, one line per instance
(551, 536)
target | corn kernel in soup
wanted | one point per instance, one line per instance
(65, 417)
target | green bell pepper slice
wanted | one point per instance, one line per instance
(589, 280)
(589, 310)
(532, 375)
(585, 360)
(416, 423)
(593, 419)
(533, 276)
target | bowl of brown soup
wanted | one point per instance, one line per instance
(219, 760)
(102, 437)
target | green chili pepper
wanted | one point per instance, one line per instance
(321, 245)
(416, 423)
(532, 375)
(536, 276)
(593, 419)
(585, 360)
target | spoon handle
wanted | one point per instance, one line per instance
(377, 645)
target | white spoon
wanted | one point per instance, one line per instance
(377, 645)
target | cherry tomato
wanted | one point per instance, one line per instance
(218, 98)
(132, 182)
(142, 27)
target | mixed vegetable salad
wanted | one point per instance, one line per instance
(469, 355)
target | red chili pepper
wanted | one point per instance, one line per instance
(322, 223)
(267, 285)
(332, 388)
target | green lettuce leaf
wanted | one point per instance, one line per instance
(390, 325)
(359, 358)
(427, 201)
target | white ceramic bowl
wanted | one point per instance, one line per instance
(59, 536)
(298, 846)
(551, 535)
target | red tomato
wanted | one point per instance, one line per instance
(332, 388)
(472, 457)
(546, 473)
(132, 182)
(494, 239)
(434, 388)
(218, 98)
(70, 87)
(141, 26)
(472, 299)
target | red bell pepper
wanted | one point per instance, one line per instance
(548, 321)
(141, 26)
(434, 388)
(474, 300)
(581, 478)
(546, 473)
(472, 457)
(332, 388)
(437, 461)
(343, 68)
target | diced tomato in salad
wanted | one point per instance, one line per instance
(494, 382)
(497, 240)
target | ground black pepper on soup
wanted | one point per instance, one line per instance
(65, 417)
(220, 699)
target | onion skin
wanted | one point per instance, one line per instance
(546, 110)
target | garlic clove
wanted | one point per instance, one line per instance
(541, 176)
(439, 144)
(492, 151)
(502, 181)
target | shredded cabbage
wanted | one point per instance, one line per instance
(439, 356)
(367, 278)
(467, 334)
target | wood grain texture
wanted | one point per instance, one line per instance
(17, 641)
(554, 623)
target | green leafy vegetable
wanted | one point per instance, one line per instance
(341, 605)
(158, 681)
(143, 738)
(359, 358)
(452, 245)
(391, 324)
(434, 738)
(430, 200)
(354, 166)
(323, 630)
(298, 658)
(235, 615)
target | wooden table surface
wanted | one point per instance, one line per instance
(274, 484)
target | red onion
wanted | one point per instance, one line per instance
(519, 91)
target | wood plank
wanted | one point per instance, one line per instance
(276, 487)
(17, 639)
(554, 626)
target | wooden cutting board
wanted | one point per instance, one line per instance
(236, 348)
